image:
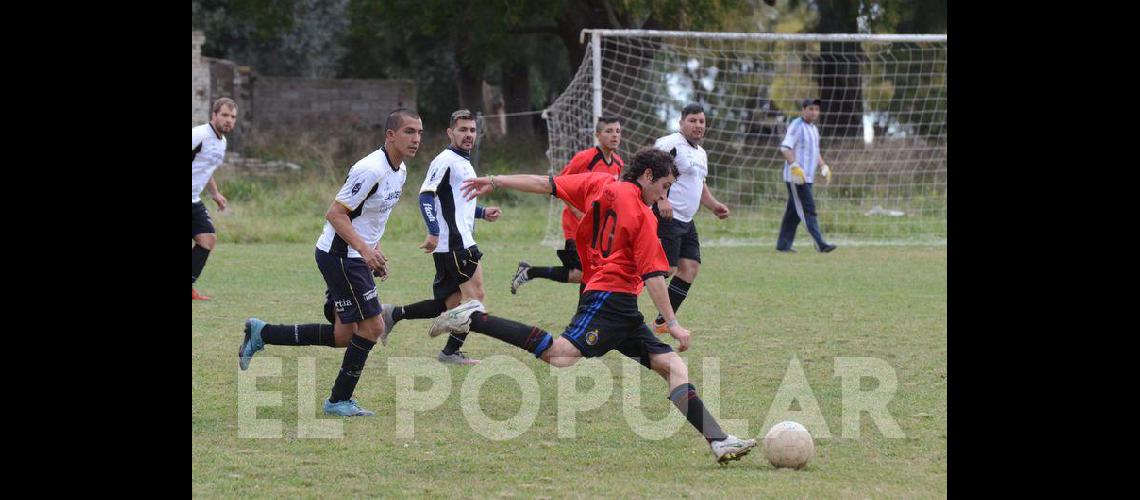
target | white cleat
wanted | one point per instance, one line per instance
(520, 277)
(731, 448)
(457, 320)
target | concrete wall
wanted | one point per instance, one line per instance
(284, 103)
(200, 79)
(278, 105)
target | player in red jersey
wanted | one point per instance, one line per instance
(621, 254)
(600, 158)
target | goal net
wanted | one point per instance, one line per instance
(882, 124)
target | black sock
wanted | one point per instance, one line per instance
(532, 339)
(559, 274)
(454, 342)
(311, 334)
(420, 310)
(355, 355)
(685, 398)
(678, 290)
(198, 257)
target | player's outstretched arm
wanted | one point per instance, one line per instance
(540, 184)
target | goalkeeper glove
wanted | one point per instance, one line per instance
(797, 174)
(825, 171)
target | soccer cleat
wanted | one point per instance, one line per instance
(520, 278)
(194, 295)
(386, 316)
(827, 247)
(347, 408)
(457, 320)
(659, 327)
(731, 448)
(456, 358)
(251, 343)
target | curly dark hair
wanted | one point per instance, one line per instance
(660, 162)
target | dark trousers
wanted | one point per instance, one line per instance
(801, 205)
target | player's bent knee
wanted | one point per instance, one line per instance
(561, 353)
(370, 328)
(669, 364)
(206, 240)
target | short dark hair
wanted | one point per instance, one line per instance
(660, 162)
(223, 101)
(462, 114)
(393, 121)
(605, 120)
(691, 109)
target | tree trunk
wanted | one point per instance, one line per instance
(841, 89)
(516, 99)
(468, 80)
(838, 71)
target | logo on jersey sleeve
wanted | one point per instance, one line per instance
(356, 188)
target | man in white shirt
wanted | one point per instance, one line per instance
(208, 149)
(801, 157)
(676, 227)
(450, 221)
(348, 256)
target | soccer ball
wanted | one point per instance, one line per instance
(788, 444)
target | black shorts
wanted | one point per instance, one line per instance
(351, 290)
(200, 220)
(679, 239)
(569, 256)
(609, 320)
(452, 269)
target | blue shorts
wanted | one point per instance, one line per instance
(351, 289)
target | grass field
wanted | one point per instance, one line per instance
(752, 309)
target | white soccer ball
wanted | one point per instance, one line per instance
(788, 444)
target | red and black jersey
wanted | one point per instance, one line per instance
(617, 236)
(587, 160)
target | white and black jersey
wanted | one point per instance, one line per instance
(445, 176)
(803, 140)
(208, 149)
(369, 193)
(693, 165)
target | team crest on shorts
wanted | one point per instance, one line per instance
(592, 337)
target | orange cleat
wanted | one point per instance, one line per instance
(198, 296)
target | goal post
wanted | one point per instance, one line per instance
(882, 124)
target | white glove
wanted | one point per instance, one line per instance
(825, 171)
(797, 174)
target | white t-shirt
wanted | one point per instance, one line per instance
(370, 191)
(209, 149)
(693, 164)
(444, 177)
(803, 139)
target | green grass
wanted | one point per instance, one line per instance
(751, 308)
